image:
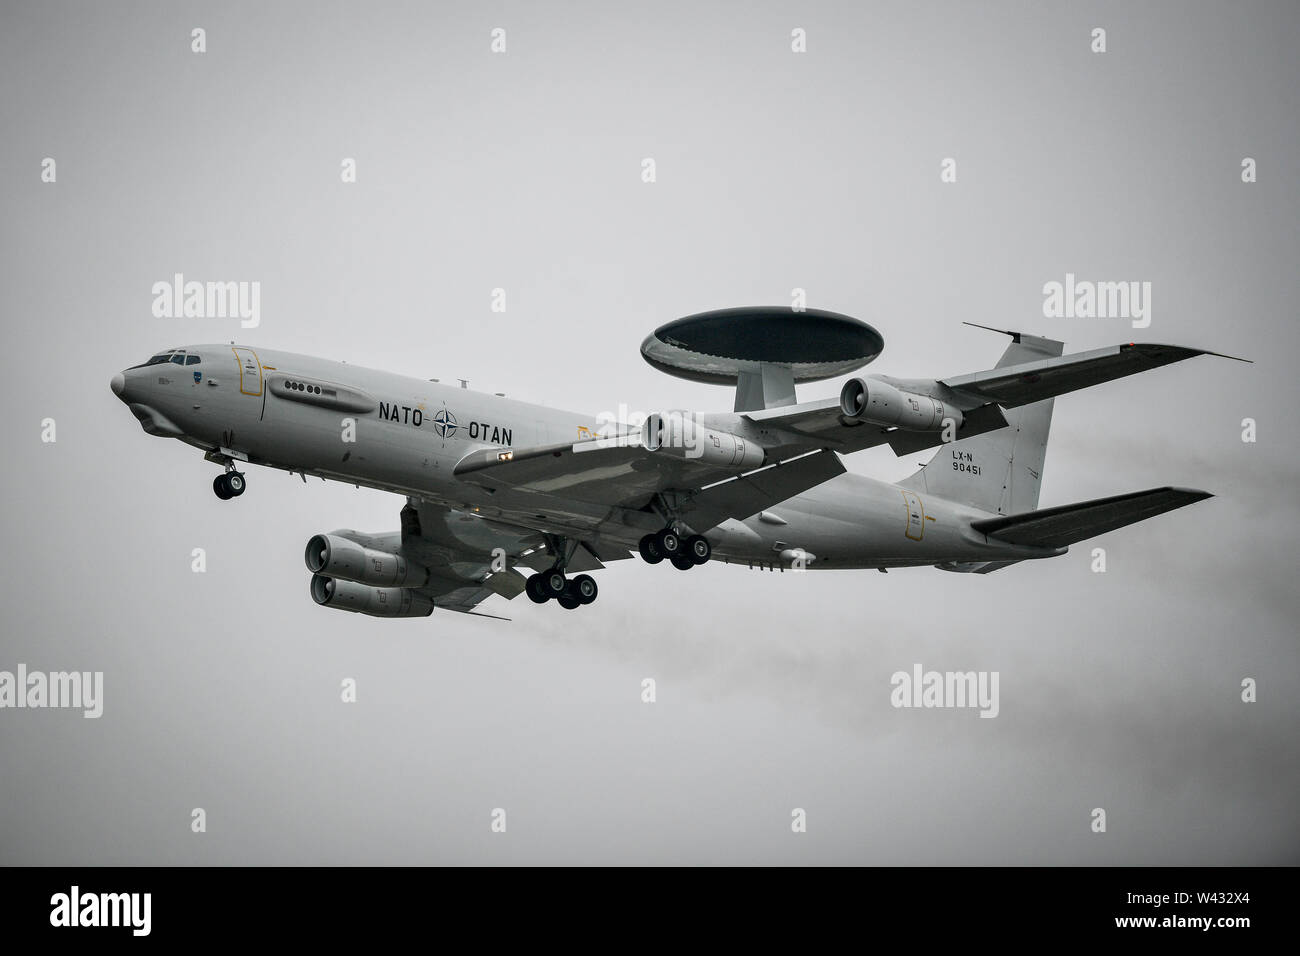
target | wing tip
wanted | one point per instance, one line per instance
(1187, 352)
(1187, 496)
(1192, 494)
(1235, 358)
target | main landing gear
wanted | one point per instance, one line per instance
(552, 585)
(231, 484)
(684, 553)
(570, 593)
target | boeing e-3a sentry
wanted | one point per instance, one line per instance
(509, 498)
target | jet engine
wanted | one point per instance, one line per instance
(680, 435)
(879, 403)
(339, 557)
(363, 599)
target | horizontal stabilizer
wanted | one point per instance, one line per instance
(1068, 524)
(1014, 385)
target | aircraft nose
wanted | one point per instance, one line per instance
(118, 384)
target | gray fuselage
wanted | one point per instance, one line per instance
(294, 412)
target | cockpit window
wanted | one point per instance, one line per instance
(192, 360)
(172, 355)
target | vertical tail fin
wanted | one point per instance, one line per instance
(1000, 471)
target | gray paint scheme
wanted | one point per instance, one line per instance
(487, 474)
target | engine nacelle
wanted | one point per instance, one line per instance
(879, 403)
(338, 557)
(363, 599)
(680, 435)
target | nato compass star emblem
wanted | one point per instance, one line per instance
(444, 423)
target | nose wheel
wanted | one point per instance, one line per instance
(229, 485)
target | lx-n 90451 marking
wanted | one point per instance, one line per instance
(509, 498)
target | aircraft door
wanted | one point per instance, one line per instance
(915, 515)
(250, 371)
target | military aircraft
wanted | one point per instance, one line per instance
(505, 497)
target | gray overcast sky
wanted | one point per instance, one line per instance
(775, 171)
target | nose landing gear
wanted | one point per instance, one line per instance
(229, 485)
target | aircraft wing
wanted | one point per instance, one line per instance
(980, 395)
(459, 549)
(750, 493)
(620, 473)
(1029, 382)
(605, 471)
(464, 600)
(795, 429)
(470, 558)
